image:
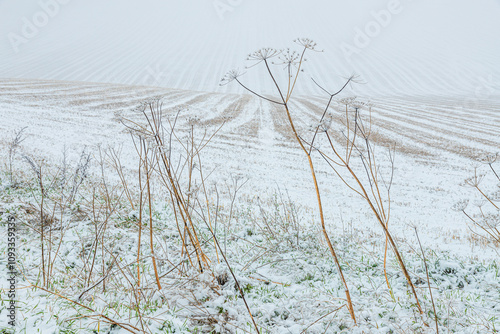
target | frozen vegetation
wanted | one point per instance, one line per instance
(348, 186)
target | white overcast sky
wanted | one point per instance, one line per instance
(398, 47)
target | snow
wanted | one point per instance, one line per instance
(73, 72)
(438, 143)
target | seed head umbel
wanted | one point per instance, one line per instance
(348, 101)
(490, 158)
(230, 76)
(307, 43)
(460, 205)
(490, 221)
(288, 58)
(262, 55)
(474, 180)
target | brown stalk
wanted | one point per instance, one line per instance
(170, 175)
(428, 281)
(127, 327)
(139, 232)
(208, 206)
(380, 220)
(115, 160)
(148, 175)
(173, 186)
(42, 224)
(96, 243)
(372, 173)
(487, 198)
(236, 281)
(316, 187)
(284, 102)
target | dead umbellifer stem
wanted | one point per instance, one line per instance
(42, 221)
(100, 315)
(155, 126)
(140, 220)
(311, 166)
(323, 226)
(385, 266)
(428, 282)
(313, 173)
(236, 281)
(148, 174)
(384, 227)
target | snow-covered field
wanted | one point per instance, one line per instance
(438, 143)
(73, 74)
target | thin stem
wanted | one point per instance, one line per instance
(256, 94)
(428, 281)
(148, 175)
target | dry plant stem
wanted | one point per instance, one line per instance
(139, 232)
(188, 223)
(371, 170)
(176, 267)
(182, 234)
(494, 171)
(124, 326)
(49, 245)
(372, 173)
(167, 176)
(98, 282)
(387, 225)
(284, 102)
(326, 108)
(487, 197)
(13, 146)
(132, 286)
(207, 204)
(190, 153)
(155, 126)
(494, 237)
(348, 155)
(42, 224)
(428, 281)
(233, 198)
(316, 186)
(385, 266)
(100, 230)
(187, 230)
(96, 243)
(324, 316)
(115, 160)
(380, 220)
(63, 232)
(148, 176)
(62, 203)
(236, 281)
(171, 175)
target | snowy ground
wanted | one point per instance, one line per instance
(71, 72)
(438, 142)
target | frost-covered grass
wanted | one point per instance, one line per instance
(272, 245)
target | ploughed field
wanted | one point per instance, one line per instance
(438, 142)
